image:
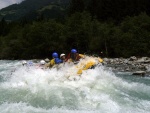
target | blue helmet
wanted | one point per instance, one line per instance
(73, 51)
(55, 55)
(30, 63)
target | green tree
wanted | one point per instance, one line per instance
(76, 6)
(79, 30)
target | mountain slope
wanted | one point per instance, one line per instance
(33, 8)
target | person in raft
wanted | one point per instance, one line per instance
(42, 64)
(63, 57)
(74, 56)
(55, 60)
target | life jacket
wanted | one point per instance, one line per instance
(55, 61)
(52, 62)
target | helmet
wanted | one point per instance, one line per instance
(62, 55)
(30, 63)
(73, 51)
(24, 62)
(55, 55)
(42, 62)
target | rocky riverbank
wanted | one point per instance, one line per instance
(138, 66)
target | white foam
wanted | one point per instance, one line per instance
(97, 90)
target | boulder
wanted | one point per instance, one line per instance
(142, 60)
(147, 61)
(132, 58)
(126, 61)
(130, 63)
(141, 73)
(47, 60)
(148, 68)
(35, 60)
(106, 59)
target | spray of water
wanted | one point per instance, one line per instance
(35, 90)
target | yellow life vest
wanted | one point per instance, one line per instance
(52, 62)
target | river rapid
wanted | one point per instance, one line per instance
(99, 90)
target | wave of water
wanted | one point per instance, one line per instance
(99, 90)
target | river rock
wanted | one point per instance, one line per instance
(106, 59)
(141, 73)
(132, 58)
(35, 60)
(126, 61)
(147, 61)
(142, 60)
(47, 60)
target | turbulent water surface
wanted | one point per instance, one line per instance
(99, 90)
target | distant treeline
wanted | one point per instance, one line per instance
(110, 10)
(91, 26)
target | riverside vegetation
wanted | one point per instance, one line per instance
(91, 26)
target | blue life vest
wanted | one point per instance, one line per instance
(57, 61)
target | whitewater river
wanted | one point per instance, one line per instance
(99, 90)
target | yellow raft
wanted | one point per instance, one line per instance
(84, 64)
(88, 63)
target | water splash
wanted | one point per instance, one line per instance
(97, 90)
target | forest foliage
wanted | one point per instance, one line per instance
(90, 26)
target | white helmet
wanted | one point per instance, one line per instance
(24, 62)
(62, 55)
(42, 62)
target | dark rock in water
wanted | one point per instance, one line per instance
(140, 73)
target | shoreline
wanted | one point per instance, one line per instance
(137, 66)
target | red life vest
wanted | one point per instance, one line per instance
(77, 57)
